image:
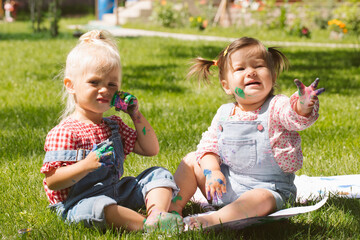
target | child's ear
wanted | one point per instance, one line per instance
(226, 87)
(69, 85)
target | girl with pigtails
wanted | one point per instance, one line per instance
(85, 152)
(246, 160)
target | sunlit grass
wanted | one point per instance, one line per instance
(154, 70)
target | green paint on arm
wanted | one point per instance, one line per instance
(144, 131)
(240, 92)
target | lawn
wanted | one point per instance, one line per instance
(154, 70)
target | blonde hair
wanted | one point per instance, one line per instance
(276, 60)
(97, 50)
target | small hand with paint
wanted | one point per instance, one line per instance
(215, 184)
(123, 101)
(102, 152)
(308, 96)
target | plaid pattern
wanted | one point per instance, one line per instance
(72, 134)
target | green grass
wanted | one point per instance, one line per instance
(154, 70)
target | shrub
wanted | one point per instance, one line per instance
(170, 15)
(198, 22)
(337, 26)
(349, 12)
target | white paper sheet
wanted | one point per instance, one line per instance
(308, 188)
(279, 215)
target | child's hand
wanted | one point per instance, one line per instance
(215, 184)
(102, 152)
(125, 102)
(308, 96)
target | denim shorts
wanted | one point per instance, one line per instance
(128, 192)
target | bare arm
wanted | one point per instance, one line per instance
(67, 176)
(210, 161)
(146, 143)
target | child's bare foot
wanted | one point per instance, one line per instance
(163, 221)
(175, 208)
(201, 221)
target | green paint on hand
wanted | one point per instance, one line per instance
(240, 92)
(103, 150)
(299, 92)
(144, 131)
(129, 99)
(178, 197)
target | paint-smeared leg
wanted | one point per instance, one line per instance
(256, 202)
(188, 177)
(157, 206)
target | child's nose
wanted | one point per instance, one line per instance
(251, 73)
(103, 90)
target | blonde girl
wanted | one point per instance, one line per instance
(85, 152)
(247, 158)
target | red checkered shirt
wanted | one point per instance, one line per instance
(72, 134)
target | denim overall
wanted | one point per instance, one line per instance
(88, 197)
(247, 158)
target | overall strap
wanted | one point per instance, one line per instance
(225, 111)
(263, 114)
(113, 126)
(65, 155)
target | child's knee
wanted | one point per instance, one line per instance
(90, 211)
(190, 159)
(156, 177)
(157, 173)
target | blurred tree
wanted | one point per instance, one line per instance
(223, 14)
(36, 14)
(54, 17)
(1, 9)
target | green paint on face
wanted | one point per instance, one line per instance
(144, 131)
(240, 92)
(178, 197)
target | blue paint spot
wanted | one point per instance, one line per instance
(327, 179)
(207, 172)
(220, 181)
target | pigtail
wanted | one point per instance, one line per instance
(102, 37)
(201, 69)
(279, 60)
(91, 35)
